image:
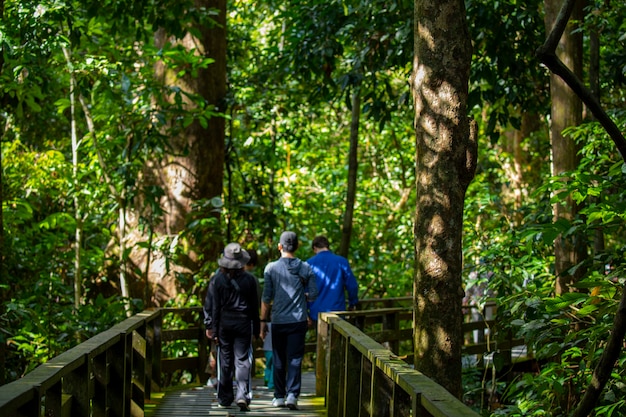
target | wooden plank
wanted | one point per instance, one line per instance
(169, 365)
(180, 334)
(196, 401)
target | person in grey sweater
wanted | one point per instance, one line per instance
(289, 283)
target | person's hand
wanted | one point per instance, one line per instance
(263, 330)
(209, 334)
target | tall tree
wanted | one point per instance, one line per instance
(192, 171)
(2, 266)
(353, 166)
(566, 112)
(445, 164)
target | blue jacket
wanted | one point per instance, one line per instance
(333, 277)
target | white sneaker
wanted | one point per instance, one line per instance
(292, 401)
(243, 405)
(278, 402)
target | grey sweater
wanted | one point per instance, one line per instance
(289, 284)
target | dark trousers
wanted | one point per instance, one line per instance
(288, 351)
(235, 338)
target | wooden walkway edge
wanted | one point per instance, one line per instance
(202, 401)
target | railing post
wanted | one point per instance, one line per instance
(321, 360)
(365, 406)
(53, 400)
(77, 384)
(203, 357)
(101, 384)
(138, 363)
(352, 387)
(336, 372)
(127, 375)
(158, 348)
(381, 399)
(148, 360)
(391, 321)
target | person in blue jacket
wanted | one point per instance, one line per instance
(333, 277)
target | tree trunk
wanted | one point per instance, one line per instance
(353, 166)
(3, 277)
(566, 112)
(516, 169)
(77, 211)
(193, 169)
(445, 164)
(3, 272)
(594, 87)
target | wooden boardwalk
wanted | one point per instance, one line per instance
(202, 401)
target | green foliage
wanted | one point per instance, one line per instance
(293, 68)
(566, 334)
(119, 115)
(43, 324)
(504, 70)
(288, 137)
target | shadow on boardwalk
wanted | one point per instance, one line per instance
(202, 401)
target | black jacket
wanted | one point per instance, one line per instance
(234, 297)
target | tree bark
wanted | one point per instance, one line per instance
(3, 271)
(517, 170)
(445, 164)
(193, 169)
(353, 166)
(566, 112)
(594, 89)
(78, 280)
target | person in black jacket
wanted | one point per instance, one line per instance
(235, 321)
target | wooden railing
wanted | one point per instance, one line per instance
(390, 322)
(110, 374)
(113, 373)
(366, 379)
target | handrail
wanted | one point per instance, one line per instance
(110, 374)
(114, 372)
(393, 325)
(369, 380)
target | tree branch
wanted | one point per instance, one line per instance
(546, 54)
(604, 368)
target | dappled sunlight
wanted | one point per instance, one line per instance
(425, 35)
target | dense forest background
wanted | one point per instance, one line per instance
(139, 138)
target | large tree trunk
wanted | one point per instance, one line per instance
(193, 169)
(445, 165)
(566, 112)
